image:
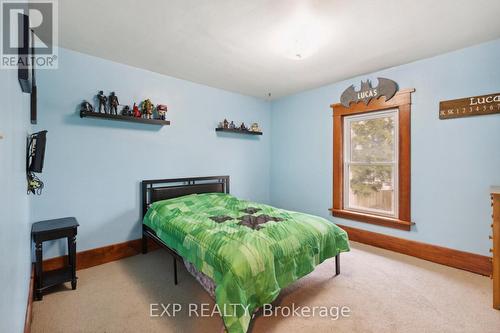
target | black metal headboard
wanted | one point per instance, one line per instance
(162, 189)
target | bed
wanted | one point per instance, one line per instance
(243, 253)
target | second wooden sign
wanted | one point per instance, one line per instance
(470, 106)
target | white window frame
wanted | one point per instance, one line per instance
(395, 163)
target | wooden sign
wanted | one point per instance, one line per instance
(471, 106)
(385, 87)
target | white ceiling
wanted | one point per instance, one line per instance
(244, 45)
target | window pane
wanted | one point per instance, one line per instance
(372, 140)
(371, 188)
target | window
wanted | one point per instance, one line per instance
(372, 161)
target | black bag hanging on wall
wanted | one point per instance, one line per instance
(34, 160)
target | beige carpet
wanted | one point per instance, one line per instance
(385, 291)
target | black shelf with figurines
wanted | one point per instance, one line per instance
(145, 113)
(226, 126)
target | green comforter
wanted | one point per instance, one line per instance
(250, 250)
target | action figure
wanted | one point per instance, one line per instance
(243, 127)
(147, 109)
(162, 111)
(102, 102)
(126, 111)
(86, 107)
(226, 124)
(137, 112)
(255, 127)
(113, 103)
(232, 125)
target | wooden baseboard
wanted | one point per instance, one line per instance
(471, 262)
(101, 255)
(29, 307)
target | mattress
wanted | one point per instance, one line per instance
(249, 251)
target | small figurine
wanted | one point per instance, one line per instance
(86, 107)
(137, 112)
(226, 124)
(232, 125)
(221, 125)
(162, 111)
(126, 111)
(147, 109)
(243, 127)
(113, 103)
(255, 127)
(102, 102)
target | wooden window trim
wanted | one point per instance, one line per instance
(402, 102)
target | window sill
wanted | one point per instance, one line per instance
(373, 219)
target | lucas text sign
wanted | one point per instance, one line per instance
(470, 106)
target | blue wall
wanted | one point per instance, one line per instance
(93, 167)
(453, 161)
(15, 267)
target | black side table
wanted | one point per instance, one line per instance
(50, 230)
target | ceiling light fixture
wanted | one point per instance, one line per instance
(300, 37)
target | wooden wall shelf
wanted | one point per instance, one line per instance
(230, 130)
(108, 116)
